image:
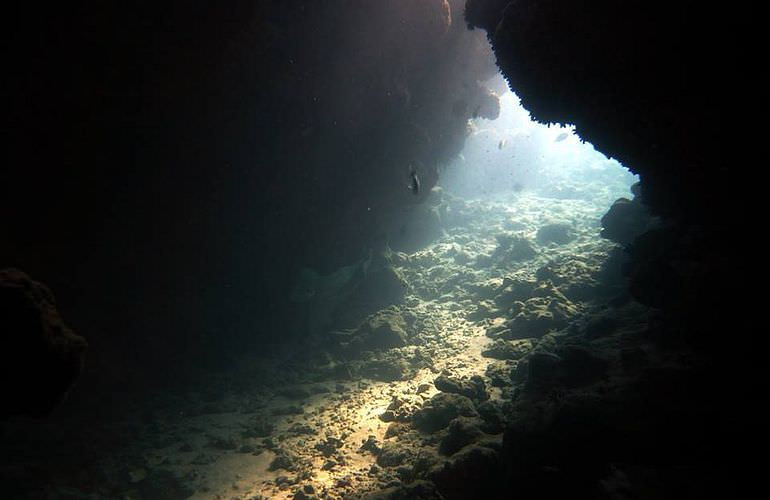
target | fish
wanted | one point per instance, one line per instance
(561, 137)
(414, 180)
(502, 143)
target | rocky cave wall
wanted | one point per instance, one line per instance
(639, 82)
(98, 205)
(647, 83)
(169, 166)
(661, 88)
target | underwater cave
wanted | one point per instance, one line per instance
(434, 249)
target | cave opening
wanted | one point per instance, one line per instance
(320, 250)
(515, 153)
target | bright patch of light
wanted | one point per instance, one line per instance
(516, 154)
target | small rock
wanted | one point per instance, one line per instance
(299, 429)
(395, 429)
(484, 309)
(555, 233)
(461, 432)
(493, 415)
(474, 389)
(499, 373)
(477, 462)
(371, 446)
(301, 495)
(546, 311)
(329, 446)
(512, 290)
(386, 370)
(504, 349)
(442, 409)
(283, 481)
(392, 455)
(405, 473)
(419, 489)
(283, 460)
(520, 249)
(383, 330)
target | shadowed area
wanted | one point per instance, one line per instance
(377, 249)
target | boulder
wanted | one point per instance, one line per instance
(557, 233)
(384, 330)
(499, 373)
(543, 368)
(284, 460)
(381, 286)
(507, 349)
(416, 490)
(513, 289)
(547, 310)
(386, 370)
(581, 366)
(41, 356)
(442, 409)
(461, 432)
(392, 455)
(484, 309)
(471, 473)
(513, 248)
(473, 388)
(624, 221)
(493, 414)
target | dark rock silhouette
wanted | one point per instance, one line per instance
(644, 96)
(41, 357)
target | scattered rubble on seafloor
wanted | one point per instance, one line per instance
(421, 390)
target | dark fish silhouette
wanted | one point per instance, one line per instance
(561, 137)
(414, 183)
